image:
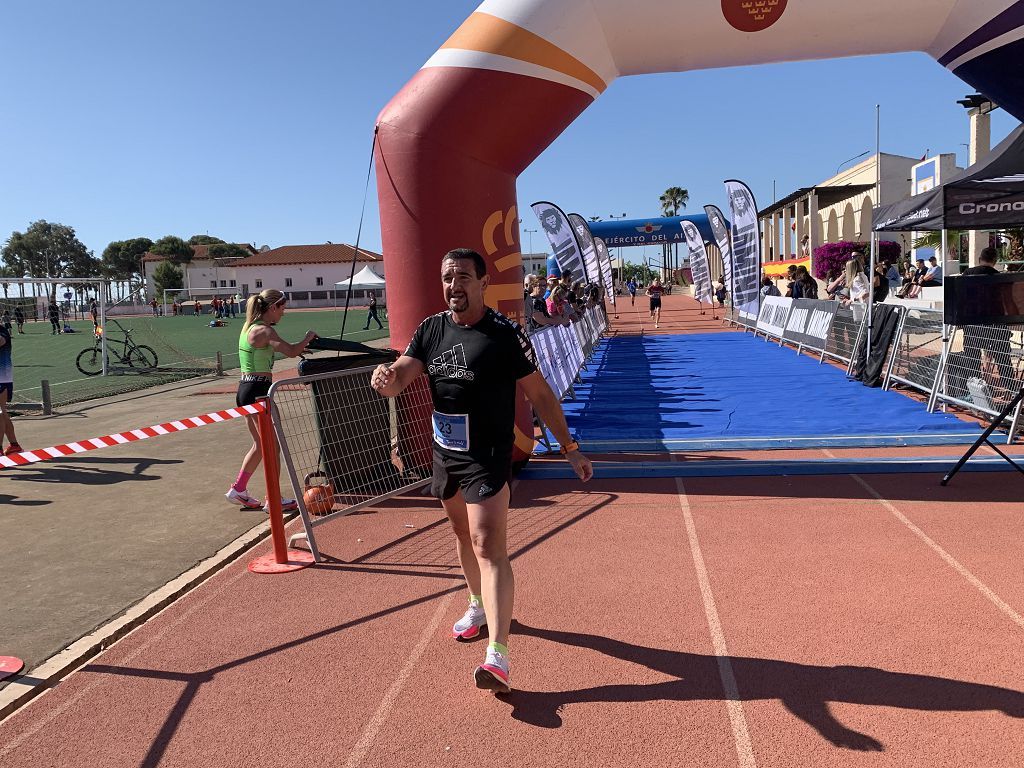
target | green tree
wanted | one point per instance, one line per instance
(642, 273)
(227, 251)
(174, 249)
(49, 250)
(7, 271)
(674, 199)
(204, 240)
(167, 276)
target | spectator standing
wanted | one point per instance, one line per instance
(720, 291)
(7, 393)
(790, 280)
(53, 312)
(19, 318)
(537, 316)
(371, 313)
(857, 282)
(198, 308)
(153, 304)
(986, 263)
(808, 286)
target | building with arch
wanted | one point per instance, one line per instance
(837, 208)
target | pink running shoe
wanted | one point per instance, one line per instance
(469, 625)
(287, 505)
(243, 499)
(493, 674)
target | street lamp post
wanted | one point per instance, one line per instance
(622, 261)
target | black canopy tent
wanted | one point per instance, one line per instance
(988, 195)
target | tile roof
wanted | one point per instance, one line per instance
(327, 253)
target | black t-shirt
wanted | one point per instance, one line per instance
(473, 371)
(981, 269)
(535, 304)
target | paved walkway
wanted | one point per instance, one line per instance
(85, 537)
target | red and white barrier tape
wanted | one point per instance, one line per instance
(43, 454)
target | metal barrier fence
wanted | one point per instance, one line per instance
(982, 370)
(844, 335)
(915, 360)
(346, 447)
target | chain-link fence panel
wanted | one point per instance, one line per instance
(918, 350)
(846, 328)
(345, 446)
(984, 368)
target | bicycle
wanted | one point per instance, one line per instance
(135, 356)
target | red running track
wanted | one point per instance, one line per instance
(858, 630)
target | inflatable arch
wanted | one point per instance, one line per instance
(452, 142)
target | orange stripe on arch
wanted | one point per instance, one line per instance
(488, 34)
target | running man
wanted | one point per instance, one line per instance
(654, 290)
(474, 358)
(631, 287)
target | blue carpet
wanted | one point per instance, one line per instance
(730, 390)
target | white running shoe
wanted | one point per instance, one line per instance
(493, 674)
(469, 625)
(243, 498)
(287, 505)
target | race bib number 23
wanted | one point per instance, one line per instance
(451, 430)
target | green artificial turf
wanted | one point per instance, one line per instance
(185, 346)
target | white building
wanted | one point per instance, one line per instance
(306, 273)
(838, 208)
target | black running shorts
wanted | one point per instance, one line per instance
(478, 480)
(250, 388)
(655, 303)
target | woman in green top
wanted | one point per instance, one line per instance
(257, 344)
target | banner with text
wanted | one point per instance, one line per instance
(724, 242)
(810, 321)
(771, 321)
(746, 248)
(563, 241)
(698, 263)
(589, 249)
(604, 259)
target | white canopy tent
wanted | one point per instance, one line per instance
(364, 279)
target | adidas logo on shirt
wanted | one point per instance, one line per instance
(451, 364)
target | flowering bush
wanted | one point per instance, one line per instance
(835, 255)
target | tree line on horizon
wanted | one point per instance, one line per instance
(52, 250)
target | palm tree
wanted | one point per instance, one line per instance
(673, 199)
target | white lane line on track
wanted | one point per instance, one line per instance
(951, 561)
(387, 704)
(734, 706)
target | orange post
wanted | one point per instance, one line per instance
(281, 560)
(272, 473)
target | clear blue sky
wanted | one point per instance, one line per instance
(253, 121)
